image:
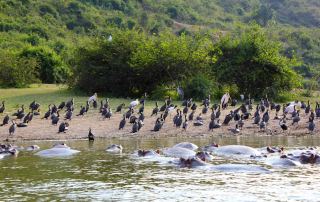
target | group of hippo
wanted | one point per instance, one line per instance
(189, 155)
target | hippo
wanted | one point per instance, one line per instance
(58, 150)
(239, 150)
(114, 148)
(306, 157)
(191, 162)
(187, 145)
(204, 156)
(240, 168)
(147, 153)
(179, 152)
(281, 162)
(210, 148)
(8, 150)
(32, 148)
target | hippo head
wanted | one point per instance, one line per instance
(204, 156)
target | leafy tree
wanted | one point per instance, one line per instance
(255, 65)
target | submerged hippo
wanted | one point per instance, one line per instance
(32, 148)
(179, 152)
(210, 148)
(204, 156)
(240, 168)
(236, 150)
(145, 153)
(304, 157)
(187, 145)
(281, 162)
(114, 148)
(191, 162)
(58, 150)
(8, 150)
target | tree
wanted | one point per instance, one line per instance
(255, 65)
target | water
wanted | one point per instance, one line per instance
(94, 175)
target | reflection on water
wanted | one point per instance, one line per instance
(95, 175)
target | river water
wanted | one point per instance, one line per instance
(94, 175)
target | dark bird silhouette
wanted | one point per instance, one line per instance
(90, 136)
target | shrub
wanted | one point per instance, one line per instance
(199, 87)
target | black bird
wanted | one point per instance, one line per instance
(95, 104)
(155, 110)
(5, 120)
(191, 115)
(311, 126)
(2, 108)
(227, 119)
(205, 109)
(90, 136)
(308, 108)
(55, 118)
(135, 127)
(179, 120)
(129, 113)
(48, 113)
(82, 111)
(163, 107)
(185, 123)
(68, 115)
(194, 107)
(70, 103)
(218, 113)
(266, 116)
(62, 105)
(141, 109)
(141, 117)
(54, 109)
(262, 125)
(87, 107)
(122, 123)
(63, 127)
(185, 110)
(26, 119)
(256, 119)
(108, 114)
(158, 125)
(283, 124)
(296, 119)
(34, 106)
(132, 119)
(119, 108)
(12, 128)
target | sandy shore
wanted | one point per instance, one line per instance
(41, 129)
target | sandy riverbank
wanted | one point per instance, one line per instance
(41, 129)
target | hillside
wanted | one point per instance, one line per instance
(57, 27)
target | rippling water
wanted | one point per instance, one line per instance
(94, 175)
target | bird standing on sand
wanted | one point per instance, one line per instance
(134, 103)
(12, 128)
(90, 136)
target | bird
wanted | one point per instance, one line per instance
(235, 130)
(283, 124)
(55, 118)
(122, 122)
(262, 125)
(155, 110)
(48, 113)
(68, 115)
(82, 111)
(141, 109)
(311, 126)
(2, 108)
(135, 127)
(5, 120)
(90, 136)
(185, 123)
(12, 128)
(191, 115)
(119, 108)
(63, 127)
(61, 105)
(158, 125)
(134, 103)
(296, 118)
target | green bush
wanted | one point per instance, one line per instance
(51, 67)
(161, 92)
(199, 87)
(17, 72)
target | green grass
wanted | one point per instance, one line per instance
(46, 94)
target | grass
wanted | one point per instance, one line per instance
(46, 94)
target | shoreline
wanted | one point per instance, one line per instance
(39, 129)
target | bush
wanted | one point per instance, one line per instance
(17, 72)
(51, 67)
(199, 87)
(161, 92)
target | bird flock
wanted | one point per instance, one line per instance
(244, 113)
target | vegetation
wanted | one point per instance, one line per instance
(164, 43)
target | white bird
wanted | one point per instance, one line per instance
(93, 98)
(134, 103)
